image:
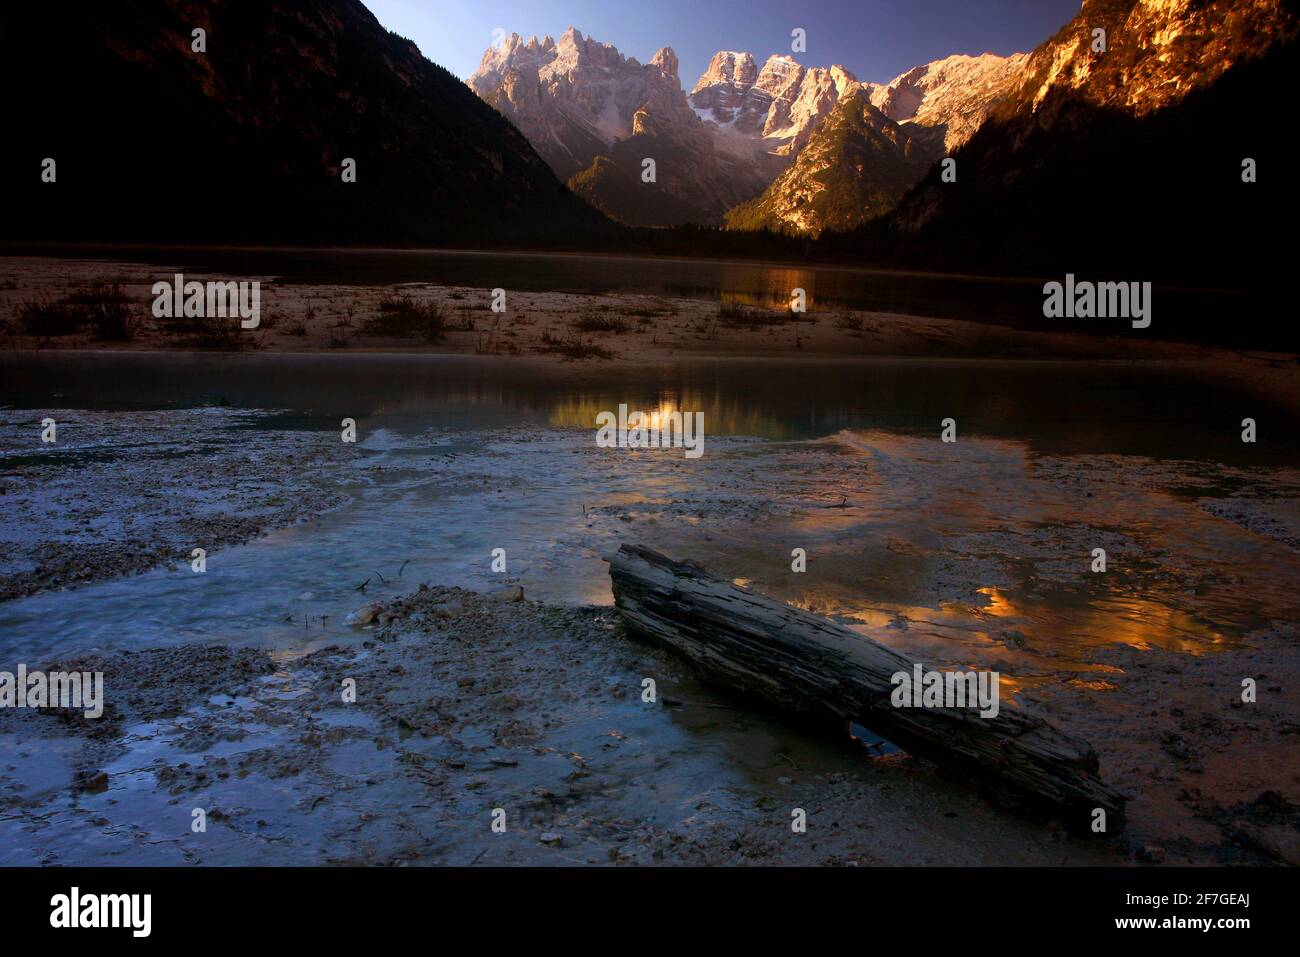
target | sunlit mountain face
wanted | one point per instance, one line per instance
(596, 116)
(1110, 104)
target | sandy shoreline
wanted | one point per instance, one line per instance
(577, 329)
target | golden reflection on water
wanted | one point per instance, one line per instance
(767, 286)
(730, 417)
(1140, 623)
(975, 637)
(999, 605)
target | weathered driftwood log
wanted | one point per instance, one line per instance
(806, 665)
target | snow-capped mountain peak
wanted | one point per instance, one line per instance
(778, 104)
(580, 101)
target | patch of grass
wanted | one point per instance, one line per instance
(734, 314)
(50, 319)
(101, 309)
(401, 318)
(593, 323)
(112, 322)
(572, 347)
(105, 321)
(295, 329)
(96, 293)
(214, 332)
(746, 317)
(656, 311)
(485, 343)
(849, 323)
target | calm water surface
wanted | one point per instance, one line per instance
(468, 454)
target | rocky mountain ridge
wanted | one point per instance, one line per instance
(1126, 139)
(578, 100)
(857, 165)
(739, 129)
(952, 96)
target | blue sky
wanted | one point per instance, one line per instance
(876, 39)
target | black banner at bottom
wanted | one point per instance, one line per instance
(335, 906)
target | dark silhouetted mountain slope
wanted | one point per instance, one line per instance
(154, 141)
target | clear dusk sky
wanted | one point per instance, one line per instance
(876, 39)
